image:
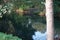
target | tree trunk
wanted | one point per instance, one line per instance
(49, 19)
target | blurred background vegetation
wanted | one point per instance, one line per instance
(22, 17)
(4, 36)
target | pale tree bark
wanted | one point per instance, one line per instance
(49, 19)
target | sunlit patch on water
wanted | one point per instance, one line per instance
(42, 36)
(39, 36)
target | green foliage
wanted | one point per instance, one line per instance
(23, 7)
(20, 22)
(6, 9)
(29, 3)
(4, 36)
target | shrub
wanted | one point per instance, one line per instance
(4, 36)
